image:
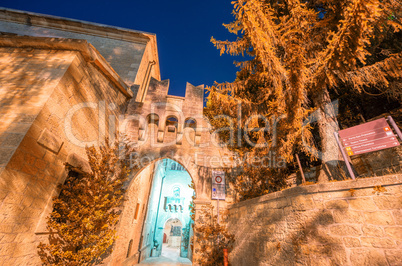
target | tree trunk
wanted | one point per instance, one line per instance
(332, 162)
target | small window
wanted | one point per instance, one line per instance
(172, 121)
(190, 122)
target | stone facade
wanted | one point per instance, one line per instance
(36, 139)
(57, 96)
(66, 84)
(127, 51)
(132, 218)
(192, 147)
(337, 223)
(151, 135)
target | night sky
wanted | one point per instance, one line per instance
(183, 30)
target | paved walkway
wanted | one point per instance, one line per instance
(169, 257)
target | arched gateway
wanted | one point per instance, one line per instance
(157, 129)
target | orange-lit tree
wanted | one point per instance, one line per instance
(298, 53)
(82, 223)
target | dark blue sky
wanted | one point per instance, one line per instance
(183, 30)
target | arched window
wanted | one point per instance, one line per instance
(130, 244)
(153, 119)
(190, 122)
(172, 123)
(176, 192)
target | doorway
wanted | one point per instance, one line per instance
(167, 226)
(172, 237)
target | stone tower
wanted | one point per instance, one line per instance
(66, 84)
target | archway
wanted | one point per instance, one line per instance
(157, 193)
(172, 238)
(170, 197)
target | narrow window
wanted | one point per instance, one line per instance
(137, 209)
(130, 244)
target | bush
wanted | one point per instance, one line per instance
(82, 223)
(212, 237)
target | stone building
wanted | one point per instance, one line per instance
(67, 84)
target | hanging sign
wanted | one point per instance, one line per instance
(372, 136)
(218, 185)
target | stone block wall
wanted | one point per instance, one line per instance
(27, 79)
(337, 223)
(40, 89)
(132, 218)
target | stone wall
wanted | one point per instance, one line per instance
(27, 79)
(132, 218)
(337, 223)
(40, 88)
(194, 148)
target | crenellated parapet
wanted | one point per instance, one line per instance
(166, 119)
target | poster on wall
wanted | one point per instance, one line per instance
(218, 185)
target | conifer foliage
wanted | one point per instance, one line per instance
(298, 53)
(82, 223)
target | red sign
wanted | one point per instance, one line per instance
(218, 185)
(372, 136)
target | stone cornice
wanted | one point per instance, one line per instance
(89, 53)
(74, 25)
(83, 27)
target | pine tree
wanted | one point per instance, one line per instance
(299, 52)
(82, 223)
